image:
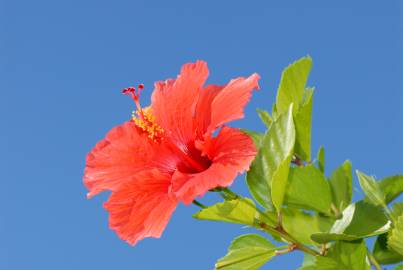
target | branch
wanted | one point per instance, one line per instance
(199, 204)
(229, 194)
(373, 261)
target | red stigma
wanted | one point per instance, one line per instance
(135, 94)
(128, 90)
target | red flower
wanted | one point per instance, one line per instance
(168, 154)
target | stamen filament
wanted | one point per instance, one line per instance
(135, 96)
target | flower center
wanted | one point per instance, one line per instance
(194, 163)
(191, 159)
(143, 118)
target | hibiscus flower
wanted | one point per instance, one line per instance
(173, 151)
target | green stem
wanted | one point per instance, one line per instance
(282, 247)
(195, 202)
(288, 249)
(336, 211)
(323, 249)
(307, 250)
(373, 261)
(232, 195)
(279, 231)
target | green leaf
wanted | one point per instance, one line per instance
(292, 91)
(308, 189)
(395, 240)
(321, 159)
(383, 254)
(344, 256)
(256, 180)
(256, 176)
(265, 117)
(261, 171)
(247, 252)
(309, 262)
(392, 187)
(371, 189)
(241, 211)
(399, 267)
(302, 225)
(277, 149)
(341, 183)
(259, 188)
(292, 85)
(303, 125)
(359, 220)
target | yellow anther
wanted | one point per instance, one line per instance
(145, 120)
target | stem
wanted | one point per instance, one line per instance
(336, 211)
(279, 231)
(289, 249)
(230, 193)
(373, 261)
(298, 245)
(280, 219)
(307, 250)
(199, 204)
(323, 249)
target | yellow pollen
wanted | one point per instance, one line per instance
(146, 122)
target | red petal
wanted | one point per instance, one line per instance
(231, 153)
(142, 207)
(116, 159)
(174, 101)
(229, 103)
(203, 108)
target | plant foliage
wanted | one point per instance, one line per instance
(302, 207)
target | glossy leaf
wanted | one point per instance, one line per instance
(383, 254)
(302, 225)
(292, 84)
(359, 220)
(341, 183)
(292, 91)
(277, 150)
(371, 189)
(395, 240)
(308, 189)
(241, 211)
(392, 187)
(321, 159)
(256, 177)
(247, 252)
(303, 126)
(257, 184)
(344, 256)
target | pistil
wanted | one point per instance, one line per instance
(144, 120)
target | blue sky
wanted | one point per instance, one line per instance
(63, 64)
